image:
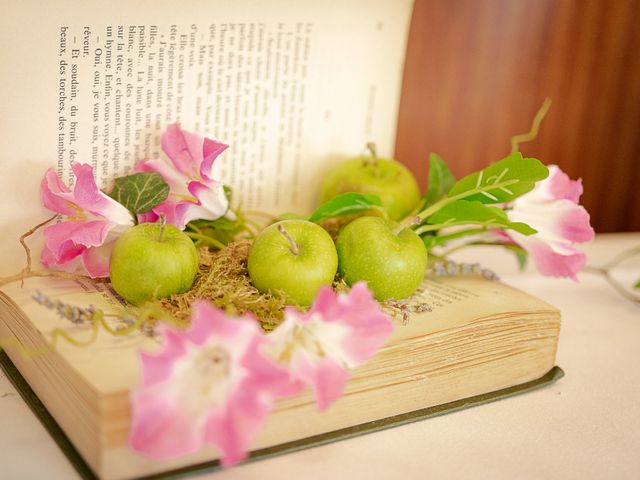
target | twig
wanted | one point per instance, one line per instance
(622, 256)
(24, 274)
(516, 140)
(613, 282)
(27, 234)
(605, 272)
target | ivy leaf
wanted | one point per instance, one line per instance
(140, 192)
(440, 180)
(345, 204)
(464, 212)
(502, 181)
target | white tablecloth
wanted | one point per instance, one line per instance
(587, 425)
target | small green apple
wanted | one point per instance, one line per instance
(152, 260)
(390, 180)
(293, 258)
(393, 265)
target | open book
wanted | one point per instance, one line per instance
(480, 337)
(292, 87)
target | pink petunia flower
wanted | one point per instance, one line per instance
(210, 384)
(93, 222)
(339, 332)
(552, 209)
(193, 194)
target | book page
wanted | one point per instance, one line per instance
(454, 303)
(292, 87)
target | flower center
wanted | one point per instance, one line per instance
(207, 379)
(80, 214)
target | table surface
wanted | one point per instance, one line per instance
(587, 425)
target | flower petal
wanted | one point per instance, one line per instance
(560, 221)
(212, 197)
(191, 153)
(171, 176)
(210, 151)
(234, 429)
(88, 197)
(55, 194)
(158, 368)
(207, 320)
(67, 259)
(66, 240)
(337, 333)
(160, 428)
(176, 212)
(552, 209)
(96, 260)
(210, 383)
(370, 327)
(326, 377)
(565, 262)
(560, 186)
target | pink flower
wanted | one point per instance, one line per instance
(210, 384)
(552, 209)
(338, 332)
(194, 194)
(93, 221)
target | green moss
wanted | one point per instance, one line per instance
(223, 280)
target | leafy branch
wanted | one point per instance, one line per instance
(349, 203)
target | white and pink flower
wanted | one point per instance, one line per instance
(339, 332)
(552, 209)
(194, 194)
(92, 221)
(210, 385)
(216, 382)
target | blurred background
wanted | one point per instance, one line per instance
(477, 71)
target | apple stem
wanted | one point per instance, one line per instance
(406, 223)
(163, 222)
(294, 246)
(371, 146)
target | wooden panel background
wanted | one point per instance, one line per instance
(478, 70)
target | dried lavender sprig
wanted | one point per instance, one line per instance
(449, 268)
(92, 315)
(76, 315)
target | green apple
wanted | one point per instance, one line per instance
(393, 264)
(293, 258)
(390, 180)
(151, 261)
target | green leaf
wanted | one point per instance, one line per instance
(502, 181)
(431, 240)
(637, 285)
(521, 254)
(440, 180)
(464, 212)
(222, 223)
(140, 192)
(291, 216)
(345, 204)
(228, 192)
